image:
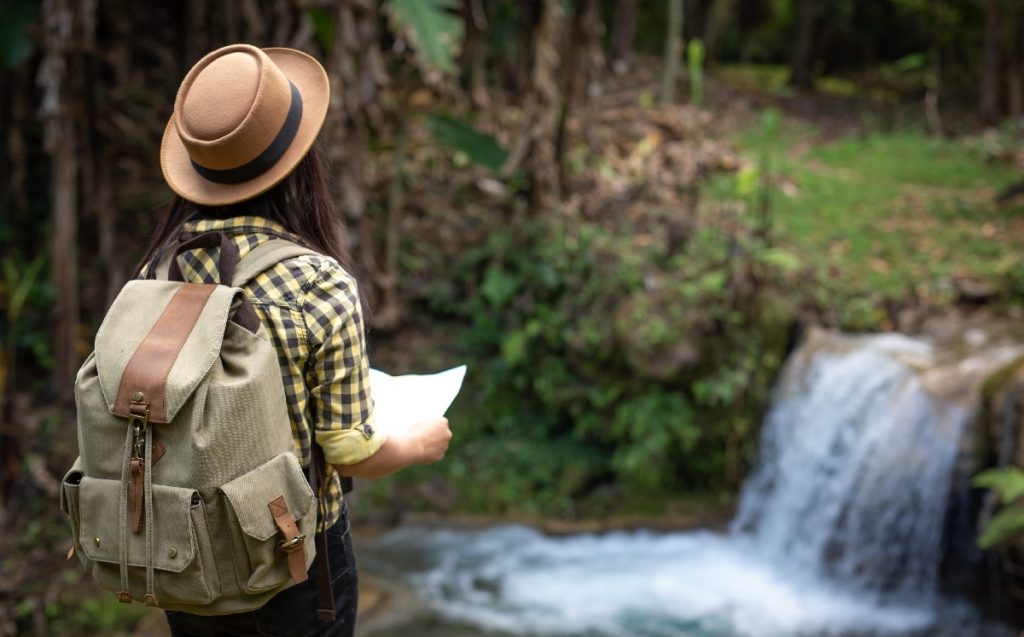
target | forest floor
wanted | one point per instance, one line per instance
(856, 189)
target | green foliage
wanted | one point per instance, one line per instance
(651, 435)
(102, 615)
(18, 285)
(433, 27)
(15, 42)
(106, 615)
(1008, 482)
(760, 78)
(480, 148)
(23, 298)
(568, 343)
(695, 61)
(878, 219)
(1004, 526)
(1008, 523)
(323, 24)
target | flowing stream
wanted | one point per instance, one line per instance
(840, 530)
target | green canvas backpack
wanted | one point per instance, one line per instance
(187, 493)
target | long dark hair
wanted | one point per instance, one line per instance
(301, 203)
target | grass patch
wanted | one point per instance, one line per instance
(888, 216)
(759, 78)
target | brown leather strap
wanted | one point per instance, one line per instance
(158, 451)
(144, 380)
(244, 315)
(324, 588)
(293, 542)
(228, 255)
(322, 561)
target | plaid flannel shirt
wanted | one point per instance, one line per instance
(310, 308)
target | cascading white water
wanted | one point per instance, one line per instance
(839, 531)
(856, 462)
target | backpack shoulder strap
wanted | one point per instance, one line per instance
(259, 259)
(265, 256)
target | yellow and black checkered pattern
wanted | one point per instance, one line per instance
(310, 307)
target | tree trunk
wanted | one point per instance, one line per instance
(593, 54)
(990, 75)
(529, 18)
(537, 145)
(197, 40)
(253, 24)
(356, 72)
(475, 52)
(623, 34)
(1013, 48)
(803, 51)
(58, 111)
(115, 274)
(1015, 89)
(720, 16)
(582, 60)
(673, 51)
(18, 85)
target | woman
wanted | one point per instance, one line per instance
(239, 153)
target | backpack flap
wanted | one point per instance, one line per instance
(251, 493)
(158, 342)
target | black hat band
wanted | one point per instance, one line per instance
(265, 160)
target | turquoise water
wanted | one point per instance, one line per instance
(516, 582)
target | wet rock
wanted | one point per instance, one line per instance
(973, 289)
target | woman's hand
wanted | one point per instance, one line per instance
(425, 442)
(432, 437)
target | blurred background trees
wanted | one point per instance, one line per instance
(618, 211)
(508, 86)
(516, 90)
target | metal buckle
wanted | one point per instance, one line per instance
(139, 420)
(293, 544)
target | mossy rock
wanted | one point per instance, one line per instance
(1002, 379)
(660, 333)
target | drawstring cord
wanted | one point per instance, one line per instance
(150, 598)
(125, 595)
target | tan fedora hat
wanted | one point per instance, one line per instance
(243, 119)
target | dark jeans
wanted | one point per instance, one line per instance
(291, 613)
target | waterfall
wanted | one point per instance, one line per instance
(857, 458)
(840, 530)
(858, 455)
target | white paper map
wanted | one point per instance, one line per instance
(401, 401)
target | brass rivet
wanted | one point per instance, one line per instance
(138, 396)
(172, 552)
(97, 541)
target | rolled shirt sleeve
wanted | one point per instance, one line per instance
(338, 372)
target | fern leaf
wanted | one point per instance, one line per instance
(1005, 525)
(433, 28)
(1008, 482)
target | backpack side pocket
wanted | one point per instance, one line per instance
(259, 563)
(69, 505)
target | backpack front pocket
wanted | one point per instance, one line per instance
(260, 564)
(184, 571)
